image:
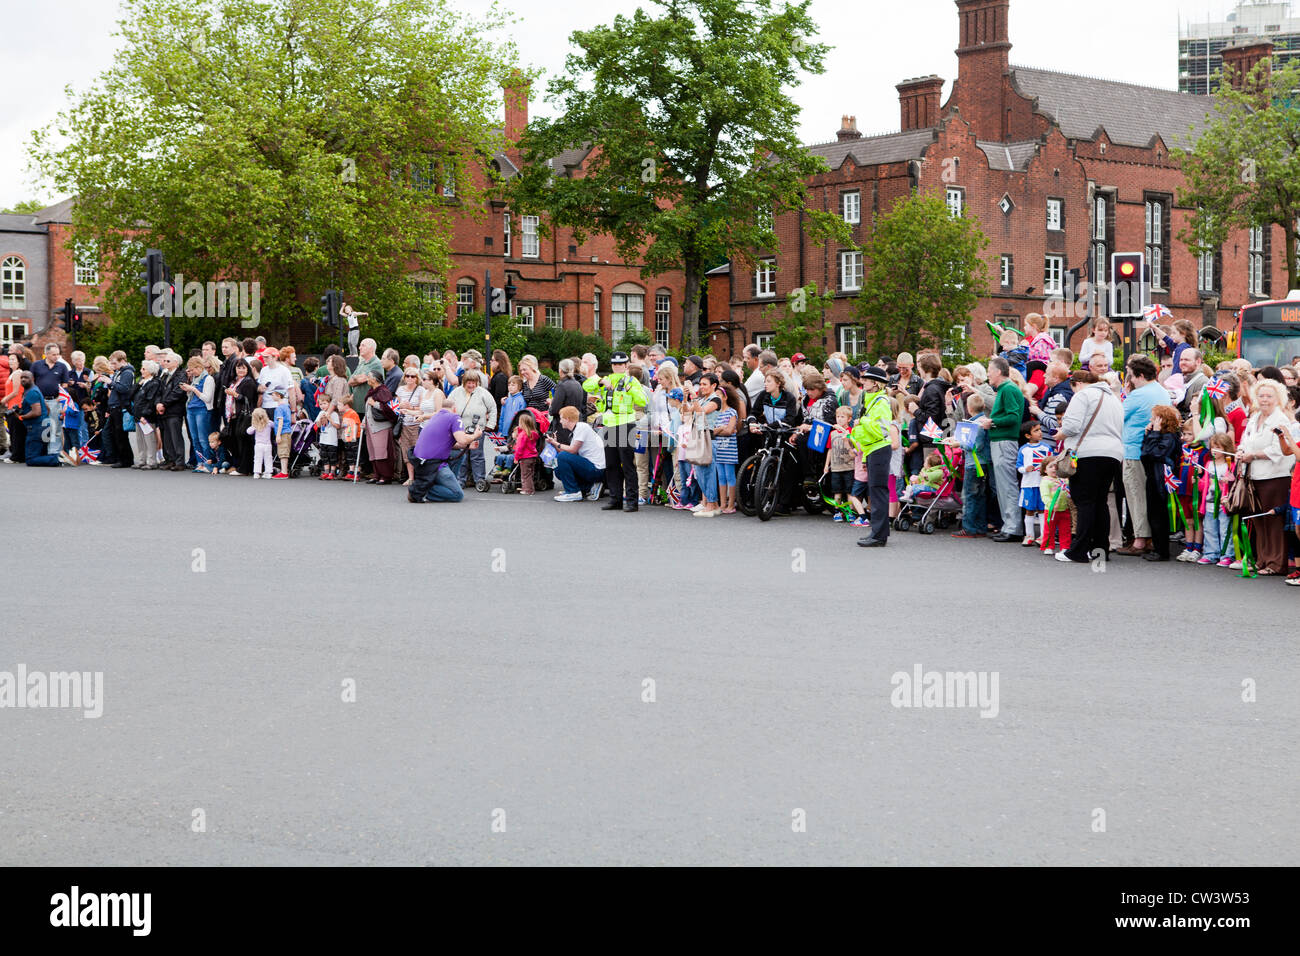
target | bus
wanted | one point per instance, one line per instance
(1268, 333)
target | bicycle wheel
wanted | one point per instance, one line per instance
(745, 475)
(766, 491)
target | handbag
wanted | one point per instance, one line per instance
(128, 421)
(698, 449)
(1242, 498)
(1067, 462)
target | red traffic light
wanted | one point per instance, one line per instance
(1127, 269)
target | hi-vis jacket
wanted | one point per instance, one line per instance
(871, 432)
(619, 402)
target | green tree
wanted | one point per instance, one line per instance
(24, 207)
(695, 131)
(1244, 168)
(801, 324)
(924, 275)
(302, 144)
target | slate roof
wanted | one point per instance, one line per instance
(871, 150)
(1131, 115)
(19, 222)
(1009, 157)
(59, 212)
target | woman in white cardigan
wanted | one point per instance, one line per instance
(1270, 469)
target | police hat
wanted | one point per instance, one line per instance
(618, 358)
(876, 374)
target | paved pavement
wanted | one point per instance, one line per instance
(514, 696)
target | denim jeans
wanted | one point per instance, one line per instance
(1218, 535)
(196, 419)
(470, 461)
(576, 474)
(974, 519)
(434, 481)
(707, 478)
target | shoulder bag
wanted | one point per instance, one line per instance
(1067, 462)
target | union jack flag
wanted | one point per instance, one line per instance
(87, 454)
(1171, 481)
(931, 430)
(1217, 388)
(1156, 312)
(66, 399)
(396, 406)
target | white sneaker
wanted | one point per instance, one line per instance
(1235, 566)
(1061, 556)
(569, 496)
(1186, 556)
(699, 507)
(596, 489)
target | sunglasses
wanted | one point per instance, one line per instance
(409, 375)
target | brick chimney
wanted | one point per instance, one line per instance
(918, 101)
(1239, 60)
(516, 101)
(848, 128)
(982, 62)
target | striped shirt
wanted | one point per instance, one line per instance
(724, 448)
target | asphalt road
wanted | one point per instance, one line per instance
(514, 696)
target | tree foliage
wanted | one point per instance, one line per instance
(800, 325)
(24, 207)
(695, 133)
(302, 144)
(924, 275)
(1244, 169)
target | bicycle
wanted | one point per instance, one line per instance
(758, 479)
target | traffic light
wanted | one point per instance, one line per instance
(66, 316)
(1127, 284)
(76, 323)
(330, 303)
(151, 273)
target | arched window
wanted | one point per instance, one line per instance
(663, 317)
(13, 283)
(464, 297)
(626, 310)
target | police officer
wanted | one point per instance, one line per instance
(871, 435)
(620, 399)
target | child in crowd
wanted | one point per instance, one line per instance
(897, 429)
(689, 489)
(1189, 464)
(927, 480)
(974, 487)
(527, 438)
(1057, 509)
(839, 463)
(260, 429)
(1216, 523)
(1032, 454)
(351, 435)
(214, 443)
(511, 406)
(328, 423)
(283, 426)
(1017, 355)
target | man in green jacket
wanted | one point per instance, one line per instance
(620, 398)
(871, 436)
(1003, 425)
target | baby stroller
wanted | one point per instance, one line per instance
(938, 508)
(305, 448)
(543, 476)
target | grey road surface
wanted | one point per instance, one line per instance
(544, 683)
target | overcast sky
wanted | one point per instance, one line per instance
(56, 43)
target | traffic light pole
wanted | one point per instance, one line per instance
(487, 317)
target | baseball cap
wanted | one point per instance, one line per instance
(676, 394)
(798, 357)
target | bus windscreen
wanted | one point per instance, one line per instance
(1269, 346)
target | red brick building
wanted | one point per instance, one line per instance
(1060, 170)
(583, 286)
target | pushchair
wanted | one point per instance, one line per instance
(940, 508)
(306, 449)
(543, 476)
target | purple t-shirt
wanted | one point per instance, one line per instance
(438, 436)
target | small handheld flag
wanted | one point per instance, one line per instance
(87, 454)
(1217, 389)
(931, 430)
(1171, 480)
(1156, 312)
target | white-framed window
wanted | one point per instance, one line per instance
(424, 175)
(595, 311)
(663, 318)
(464, 297)
(851, 206)
(11, 332)
(764, 340)
(764, 219)
(532, 248)
(555, 316)
(1099, 217)
(850, 271)
(955, 197)
(449, 180)
(505, 226)
(853, 340)
(1155, 241)
(429, 292)
(1255, 261)
(955, 343)
(1205, 272)
(1055, 214)
(13, 283)
(626, 313)
(1058, 335)
(524, 315)
(1006, 271)
(86, 264)
(1053, 275)
(765, 278)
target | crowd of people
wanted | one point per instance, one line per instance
(1025, 447)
